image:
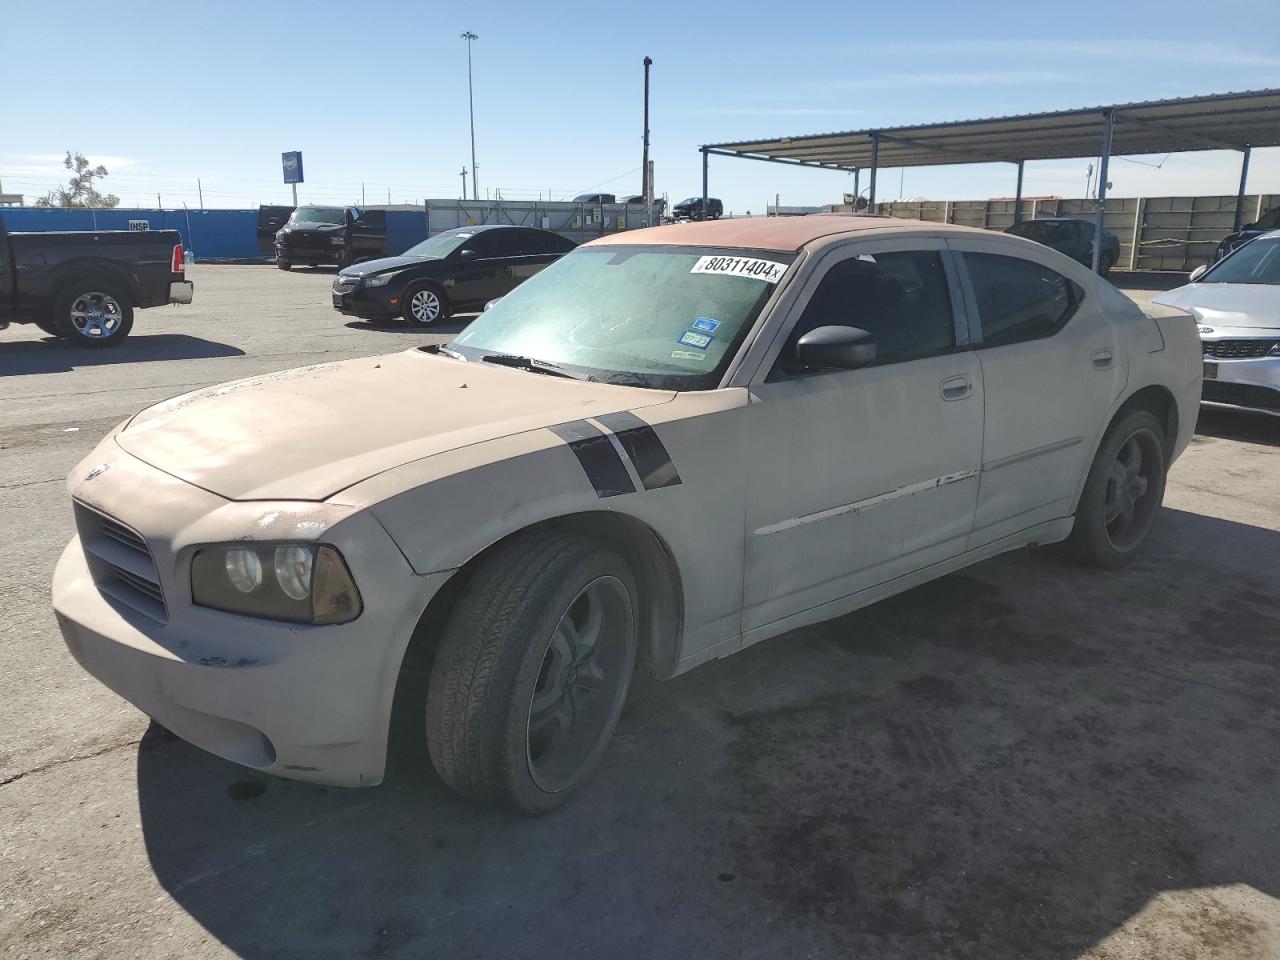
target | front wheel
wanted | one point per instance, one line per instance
(93, 313)
(422, 305)
(1123, 492)
(532, 671)
(284, 264)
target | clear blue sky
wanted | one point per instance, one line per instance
(164, 93)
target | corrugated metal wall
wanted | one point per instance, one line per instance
(206, 234)
(1171, 233)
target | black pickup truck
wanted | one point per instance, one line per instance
(337, 235)
(83, 286)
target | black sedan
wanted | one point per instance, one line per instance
(1267, 222)
(1072, 236)
(457, 271)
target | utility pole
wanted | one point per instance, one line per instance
(646, 183)
(464, 181)
(159, 205)
(362, 193)
(471, 108)
(200, 190)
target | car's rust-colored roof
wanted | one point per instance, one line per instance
(762, 233)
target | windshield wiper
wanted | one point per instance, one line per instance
(528, 363)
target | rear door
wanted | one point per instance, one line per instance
(1052, 368)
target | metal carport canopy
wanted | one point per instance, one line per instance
(1226, 121)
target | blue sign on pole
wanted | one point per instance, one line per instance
(292, 166)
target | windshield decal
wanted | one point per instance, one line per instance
(770, 271)
(706, 325)
(688, 355)
(699, 340)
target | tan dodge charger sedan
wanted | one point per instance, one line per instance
(669, 445)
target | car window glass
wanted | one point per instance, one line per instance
(484, 244)
(1269, 220)
(899, 298)
(1019, 300)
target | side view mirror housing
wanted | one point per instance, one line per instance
(1197, 273)
(839, 348)
(466, 255)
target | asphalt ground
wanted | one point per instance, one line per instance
(1026, 759)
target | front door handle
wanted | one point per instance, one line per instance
(1102, 359)
(956, 388)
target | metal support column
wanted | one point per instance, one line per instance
(1017, 198)
(856, 173)
(1108, 124)
(875, 162)
(1244, 175)
(702, 214)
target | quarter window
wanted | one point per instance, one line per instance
(1019, 300)
(899, 298)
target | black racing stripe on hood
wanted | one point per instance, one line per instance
(600, 461)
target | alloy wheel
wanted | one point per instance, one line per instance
(425, 306)
(96, 315)
(1130, 501)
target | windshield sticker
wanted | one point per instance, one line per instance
(688, 355)
(767, 270)
(706, 325)
(699, 340)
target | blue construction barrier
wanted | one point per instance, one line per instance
(206, 234)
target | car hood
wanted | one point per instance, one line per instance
(384, 265)
(306, 434)
(1255, 305)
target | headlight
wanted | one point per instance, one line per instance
(337, 240)
(298, 582)
(378, 280)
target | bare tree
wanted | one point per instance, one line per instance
(80, 191)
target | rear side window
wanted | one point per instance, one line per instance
(1019, 300)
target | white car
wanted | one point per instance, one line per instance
(1236, 303)
(669, 445)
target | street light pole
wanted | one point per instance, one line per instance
(471, 106)
(646, 188)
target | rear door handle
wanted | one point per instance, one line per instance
(956, 388)
(1102, 359)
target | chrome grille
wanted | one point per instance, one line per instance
(121, 563)
(344, 284)
(1238, 349)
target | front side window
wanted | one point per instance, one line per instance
(651, 316)
(1019, 300)
(441, 245)
(1269, 220)
(1256, 262)
(901, 299)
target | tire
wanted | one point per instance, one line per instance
(516, 659)
(47, 325)
(93, 312)
(1105, 264)
(1121, 496)
(284, 264)
(424, 304)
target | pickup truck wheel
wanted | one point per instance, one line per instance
(1105, 264)
(1123, 492)
(421, 305)
(284, 265)
(93, 313)
(47, 325)
(532, 671)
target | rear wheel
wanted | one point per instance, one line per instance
(422, 305)
(1123, 492)
(532, 672)
(93, 313)
(284, 264)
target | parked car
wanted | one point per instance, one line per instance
(1072, 236)
(83, 286)
(1236, 303)
(595, 198)
(667, 446)
(659, 204)
(330, 235)
(691, 209)
(455, 271)
(1268, 221)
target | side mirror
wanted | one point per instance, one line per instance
(1197, 273)
(467, 255)
(840, 348)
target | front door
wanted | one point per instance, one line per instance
(860, 476)
(1052, 366)
(483, 277)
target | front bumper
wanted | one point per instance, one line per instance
(370, 303)
(181, 291)
(1247, 384)
(308, 703)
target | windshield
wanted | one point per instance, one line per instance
(1256, 262)
(691, 200)
(1043, 231)
(319, 215)
(663, 317)
(441, 245)
(1269, 220)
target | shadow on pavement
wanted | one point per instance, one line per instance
(1241, 425)
(453, 326)
(51, 355)
(1008, 762)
